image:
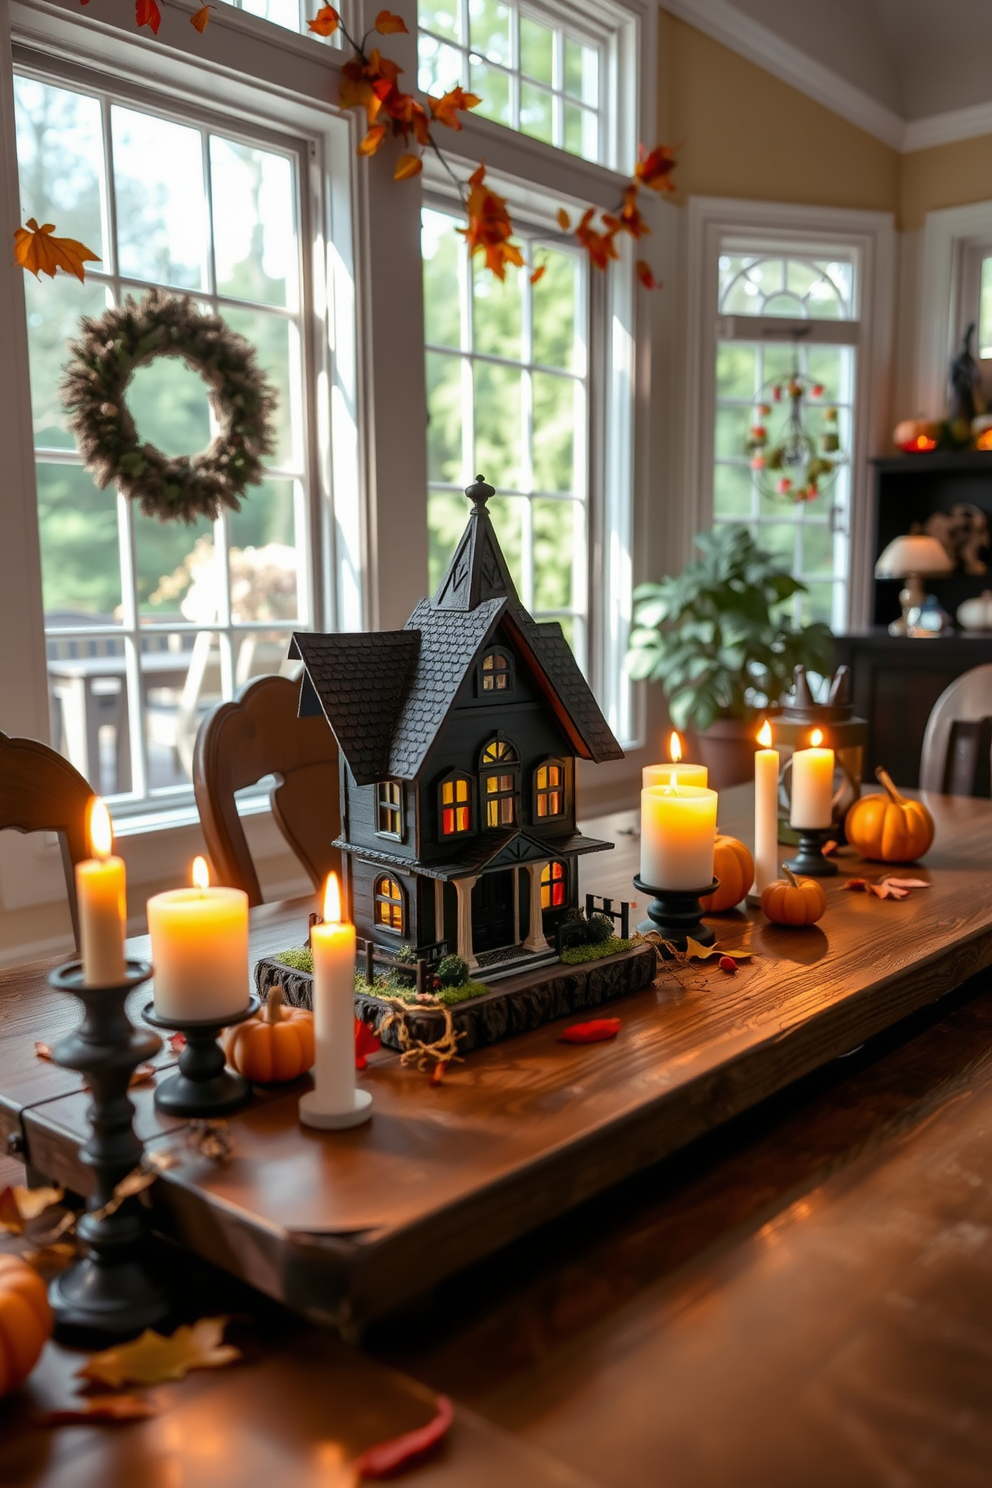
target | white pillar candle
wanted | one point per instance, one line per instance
(678, 834)
(812, 785)
(101, 897)
(334, 1100)
(199, 950)
(685, 774)
(766, 765)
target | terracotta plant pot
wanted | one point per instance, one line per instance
(727, 749)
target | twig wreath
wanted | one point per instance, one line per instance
(102, 363)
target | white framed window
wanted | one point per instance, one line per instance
(508, 396)
(771, 287)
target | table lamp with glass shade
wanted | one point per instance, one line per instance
(914, 558)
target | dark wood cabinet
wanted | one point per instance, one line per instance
(897, 680)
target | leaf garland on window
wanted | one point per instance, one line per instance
(370, 81)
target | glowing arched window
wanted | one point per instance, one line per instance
(496, 672)
(500, 770)
(549, 790)
(456, 805)
(389, 904)
(553, 886)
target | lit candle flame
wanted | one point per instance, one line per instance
(332, 900)
(675, 748)
(765, 735)
(101, 829)
(200, 874)
(816, 738)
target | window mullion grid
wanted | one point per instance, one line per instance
(465, 284)
(558, 86)
(527, 430)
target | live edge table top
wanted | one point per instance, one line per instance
(345, 1225)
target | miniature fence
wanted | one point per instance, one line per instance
(427, 959)
(606, 907)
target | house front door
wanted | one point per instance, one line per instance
(493, 920)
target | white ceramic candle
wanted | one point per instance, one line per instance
(766, 764)
(812, 785)
(685, 774)
(678, 834)
(101, 894)
(199, 950)
(334, 1101)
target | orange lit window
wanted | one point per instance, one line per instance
(389, 905)
(550, 790)
(553, 886)
(496, 674)
(456, 805)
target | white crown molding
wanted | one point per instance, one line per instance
(723, 22)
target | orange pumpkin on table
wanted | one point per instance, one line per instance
(886, 827)
(793, 901)
(25, 1321)
(273, 1046)
(733, 865)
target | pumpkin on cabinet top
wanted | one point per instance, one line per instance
(976, 614)
(793, 901)
(886, 827)
(916, 435)
(733, 865)
(275, 1045)
(25, 1321)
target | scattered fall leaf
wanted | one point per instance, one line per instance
(596, 1031)
(445, 110)
(325, 22)
(630, 219)
(438, 1072)
(829, 847)
(654, 168)
(489, 227)
(147, 13)
(703, 953)
(152, 1359)
(564, 221)
(11, 1219)
(42, 1051)
(367, 1042)
(388, 24)
(646, 275)
(389, 1457)
(34, 1201)
(407, 166)
(108, 1410)
(199, 20)
(539, 273)
(51, 1258)
(38, 251)
(372, 140)
(177, 1042)
(886, 888)
(210, 1139)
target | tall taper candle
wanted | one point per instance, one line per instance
(334, 1100)
(766, 764)
(101, 894)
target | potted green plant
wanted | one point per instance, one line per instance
(716, 638)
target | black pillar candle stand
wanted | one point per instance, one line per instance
(676, 914)
(203, 1086)
(809, 860)
(109, 1295)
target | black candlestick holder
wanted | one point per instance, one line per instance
(203, 1086)
(109, 1295)
(676, 914)
(809, 860)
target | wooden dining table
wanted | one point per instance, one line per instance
(748, 1241)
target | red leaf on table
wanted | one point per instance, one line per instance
(596, 1032)
(437, 1073)
(391, 1457)
(110, 1410)
(147, 13)
(887, 890)
(177, 1042)
(829, 847)
(367, 1042)
(42, 1051)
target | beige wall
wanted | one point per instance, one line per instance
(741, 132)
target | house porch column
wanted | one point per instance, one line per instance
(536, 938)
(463, 888)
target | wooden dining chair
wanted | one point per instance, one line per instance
(957, 745)
(40, 791)
(241, 742)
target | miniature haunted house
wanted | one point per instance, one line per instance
(458, 737)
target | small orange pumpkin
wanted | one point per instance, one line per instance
(888, 828)
(273, 1046)
(25, 1321)
(916, 435)
(793, 901)
(733, 865)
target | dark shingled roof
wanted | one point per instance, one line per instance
(361, 680)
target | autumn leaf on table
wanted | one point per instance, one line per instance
(38, 251)
(108, 1410)
(20, 1205)
(325, 22)
(200, 19)
(886, 888)
(152, 1359)
(388, 24)
(390, 1457)
(596, 1031)
(703, 953)
(147, 13)
(367, 1042)
(445, 110)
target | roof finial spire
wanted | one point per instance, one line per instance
(480, 493)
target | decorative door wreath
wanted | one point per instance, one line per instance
(101, 364)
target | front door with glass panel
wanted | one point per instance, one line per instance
(493, 918)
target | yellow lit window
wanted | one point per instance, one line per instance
(456, 808)
(550, 785)
(389, 904)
